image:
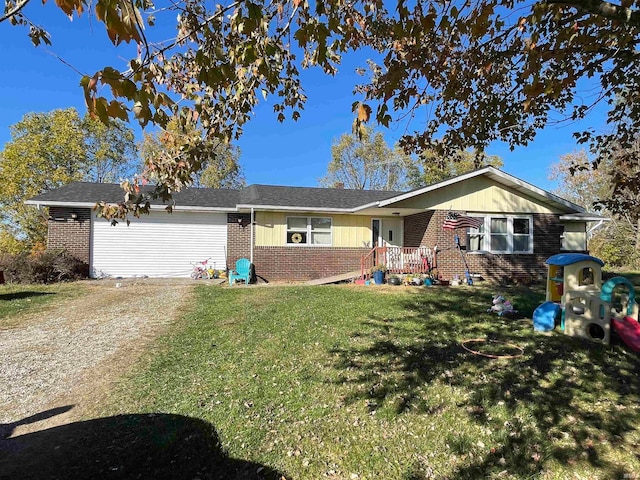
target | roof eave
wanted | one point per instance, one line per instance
(294, 209)
(46, 203)
(584, 218)
(368, 205)
(184, 208)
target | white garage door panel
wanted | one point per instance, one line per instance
(158, 245)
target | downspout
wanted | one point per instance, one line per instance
(594, 228)
(252, 234)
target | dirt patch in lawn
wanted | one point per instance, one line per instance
(66, 358)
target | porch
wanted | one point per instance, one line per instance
(399, 260)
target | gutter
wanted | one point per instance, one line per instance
(154, 207)
(583, 218)
(282, 208)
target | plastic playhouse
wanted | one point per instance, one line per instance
(587, 307)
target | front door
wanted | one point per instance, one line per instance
(391, 232)
(386, 232)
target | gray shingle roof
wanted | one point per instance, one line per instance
(85, 192)
(254, 195)
(309, 197)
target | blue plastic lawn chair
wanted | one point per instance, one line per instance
(241, 272)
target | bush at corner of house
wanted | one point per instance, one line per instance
(49, 266)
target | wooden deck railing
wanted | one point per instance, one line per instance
(366, 263)
(399, 260)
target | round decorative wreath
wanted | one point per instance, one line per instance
(296, 238)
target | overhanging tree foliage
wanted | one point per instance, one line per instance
(220, 162)
(471, 72)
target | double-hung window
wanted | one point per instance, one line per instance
(502, 234)
(476, 236)
(309, 231)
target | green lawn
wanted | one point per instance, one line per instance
(18, 299)
(372, 382)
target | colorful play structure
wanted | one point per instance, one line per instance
(586, 307)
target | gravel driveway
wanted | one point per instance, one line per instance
(71, 354)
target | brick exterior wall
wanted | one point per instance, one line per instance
(415, 230)
(305, 263)
(426, 229)
(238, 237)
(72, 235)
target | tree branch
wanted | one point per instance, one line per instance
(15, 10)
(604, 9)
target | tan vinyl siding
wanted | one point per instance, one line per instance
(270, 229)
(351, 231)
(477, 194)
(347, 230)
(575, 236)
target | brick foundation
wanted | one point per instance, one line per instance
(72, 235)
(305, 263)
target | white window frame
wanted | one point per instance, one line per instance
(485, 246)
(308, 232)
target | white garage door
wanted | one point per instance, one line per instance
(158, 244)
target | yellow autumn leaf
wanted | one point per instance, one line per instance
(364, 112)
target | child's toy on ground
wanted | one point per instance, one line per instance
(544, 318)
(587, 316)
(624, 320)
(629, 330)
(501, 306)
(589, 307)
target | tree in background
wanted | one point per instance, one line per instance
(220, 162)
(430, 167)
(46, 151)
(623, 168)
(366, 162)
(579, 182)
(617, 241)
(223, 169)
(111, 152)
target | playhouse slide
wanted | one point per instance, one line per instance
(628, 328)
(629, 331)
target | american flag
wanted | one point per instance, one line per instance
(457, 220)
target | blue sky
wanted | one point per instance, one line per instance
(292, 153)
